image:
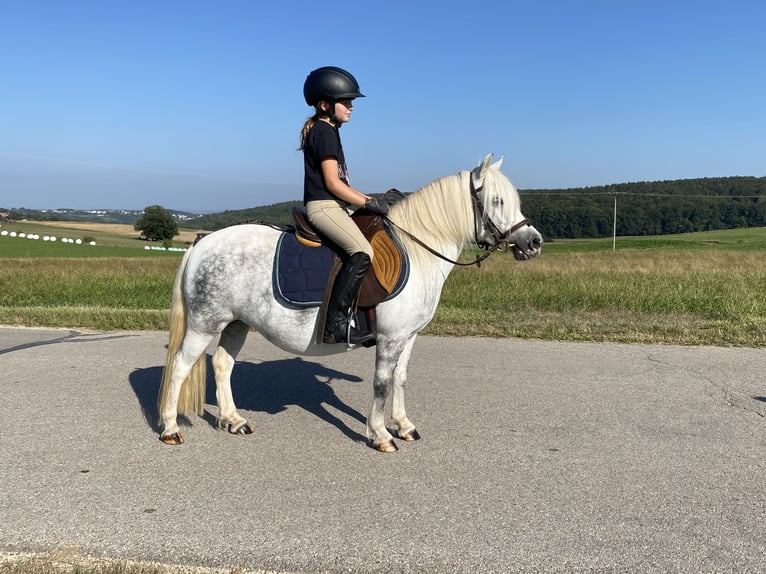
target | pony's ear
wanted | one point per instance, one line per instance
(477, 175)
(498, 164)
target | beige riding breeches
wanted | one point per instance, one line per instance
(332, 218)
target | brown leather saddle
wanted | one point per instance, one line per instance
(386, 268)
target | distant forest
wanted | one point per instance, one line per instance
(645, 208)
(649, 208)
(277, 214)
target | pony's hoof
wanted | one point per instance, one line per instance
(173, 439)
(243, 429)
(410, 436)
(388, 446)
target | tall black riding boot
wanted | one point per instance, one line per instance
(339, 307)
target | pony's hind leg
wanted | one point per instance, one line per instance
(183, 385)
(229, 346)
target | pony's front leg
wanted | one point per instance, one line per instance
(400, 424)
(229, 346)
(386, 358)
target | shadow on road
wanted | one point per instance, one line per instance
(268, 387)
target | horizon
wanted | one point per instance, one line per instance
(562, 190)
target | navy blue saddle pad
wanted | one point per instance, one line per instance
(301, 273)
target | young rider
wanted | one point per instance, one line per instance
(329, 198)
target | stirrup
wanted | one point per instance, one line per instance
(360, 338)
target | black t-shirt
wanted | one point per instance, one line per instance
(322, 141)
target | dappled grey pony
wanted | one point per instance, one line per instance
(224, 286)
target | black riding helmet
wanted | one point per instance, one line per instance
(330, 84)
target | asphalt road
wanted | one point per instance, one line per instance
(536, 457)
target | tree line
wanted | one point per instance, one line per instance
(649, 208)
(276, 214)
(644, 208)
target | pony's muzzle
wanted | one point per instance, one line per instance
(528, 244)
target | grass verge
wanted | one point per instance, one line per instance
(69, 560)
(698, 289)
(694, 297)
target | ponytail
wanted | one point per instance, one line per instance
(319, 112)
(307, 128)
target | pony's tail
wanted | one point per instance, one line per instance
(192, 397)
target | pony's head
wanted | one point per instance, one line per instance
(497, 212)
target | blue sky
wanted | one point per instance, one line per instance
(197, 105)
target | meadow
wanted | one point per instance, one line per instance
(693, 289)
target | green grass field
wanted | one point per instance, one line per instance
(723, 240)
(699, 288)
(109, 243)
(31, 249)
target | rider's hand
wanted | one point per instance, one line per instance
(377, 206)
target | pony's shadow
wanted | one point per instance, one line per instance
(268, 387)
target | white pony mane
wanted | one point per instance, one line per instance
(441, 213)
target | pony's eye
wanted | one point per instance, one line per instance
(497, 201)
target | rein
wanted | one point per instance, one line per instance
(501, 242)
(432, 251)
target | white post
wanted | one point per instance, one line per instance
(614, 225)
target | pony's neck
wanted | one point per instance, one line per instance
(440, 214)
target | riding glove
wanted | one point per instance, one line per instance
(376, 206)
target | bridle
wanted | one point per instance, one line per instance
(500, 239)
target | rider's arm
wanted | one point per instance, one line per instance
(337, 187)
